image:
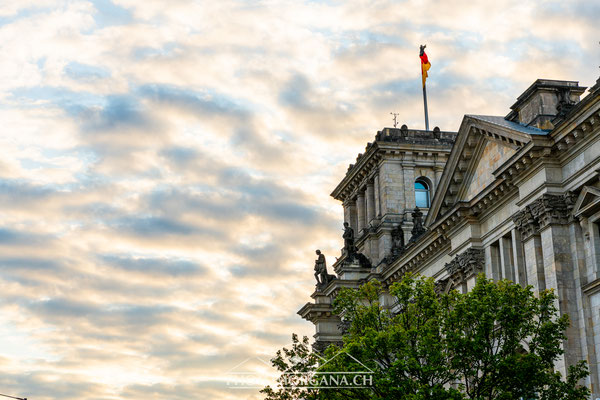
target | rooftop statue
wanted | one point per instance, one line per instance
(321, 275)
(348, 239)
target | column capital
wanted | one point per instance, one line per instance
(549, 209)
(462, 267)
(349, 202)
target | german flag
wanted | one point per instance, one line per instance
(425, 64)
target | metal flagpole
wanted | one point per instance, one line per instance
(424, 61)
(425, 105)
(13, 397)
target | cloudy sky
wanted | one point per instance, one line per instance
(165, 166)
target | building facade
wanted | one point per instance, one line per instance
(515, 197)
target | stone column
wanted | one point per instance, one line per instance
(534, 264)
(558, 269)
(496, 262)
(360, 206)
(438, 175)
(586, 317)
(506, 257)
(409, 189)
(376, 190)
(518, 258)
(391, 189)
(551, 213)
(350, 214)
(528, 227)
(370, 203)
(488, 267)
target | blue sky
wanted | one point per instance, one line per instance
(166, 168)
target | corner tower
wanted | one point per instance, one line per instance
(385, 195)
(398, 172)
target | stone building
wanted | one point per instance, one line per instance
(515, 197)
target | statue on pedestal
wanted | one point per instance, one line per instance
(348, 239)
(397, 241)
(321, 275)
(418, 228)
(350, 249)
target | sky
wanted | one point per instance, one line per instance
(165, 166)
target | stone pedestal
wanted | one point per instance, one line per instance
(326, 322)
(352, 271)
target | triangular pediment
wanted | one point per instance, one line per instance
(483, 145)
(490, 155)
(588, 202)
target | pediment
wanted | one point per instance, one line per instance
(482, 146)
(588, 202)
(490, 155)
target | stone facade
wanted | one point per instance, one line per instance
(515, 197)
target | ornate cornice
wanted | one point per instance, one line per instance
(389, 145)
(314, 312)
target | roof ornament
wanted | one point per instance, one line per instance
(395, 119)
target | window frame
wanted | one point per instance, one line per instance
(423, 181)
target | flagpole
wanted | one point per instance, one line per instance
(425, 105)
(425, 65)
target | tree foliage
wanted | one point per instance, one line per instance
(498, 341)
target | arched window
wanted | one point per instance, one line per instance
(421, 193)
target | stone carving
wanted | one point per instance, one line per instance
(397, 242)
(418, 228)
(565, 104)
(344, 326)
(548, 209)
(348, 239)
(350, 249)
(442, 286)
(462, 267)
(570, 200)
(363, 260)
(525, 222)
(321, 275)
(468, 263)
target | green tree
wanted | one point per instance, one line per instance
(498, 341)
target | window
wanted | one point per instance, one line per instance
(421, 194)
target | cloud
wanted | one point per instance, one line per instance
(78, 71)
(161, 266)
